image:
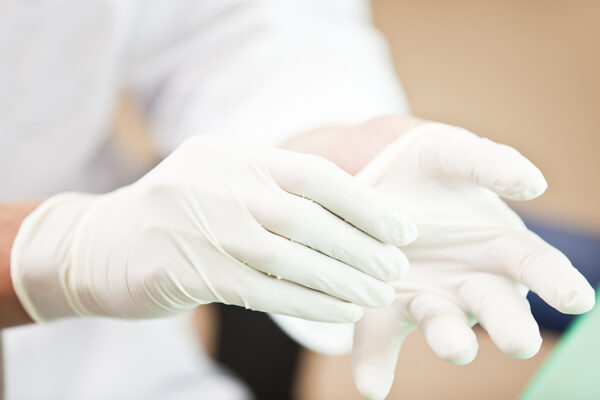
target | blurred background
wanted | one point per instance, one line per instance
(525, 73)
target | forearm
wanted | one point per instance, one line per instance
(11, 217)
(352, 148)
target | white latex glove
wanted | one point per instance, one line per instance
(474, 259)
(215, 222)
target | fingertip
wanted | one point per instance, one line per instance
(521, 346)
(369, 292)
(403, 264)
(463, 356)
(394, 265)
(372, 383)
(577, 300)
(386, 296)
(403, 232)
(349, 313)
(536, 186)
(452, 342)
(549, 273)
(524, 182)
(462, 352)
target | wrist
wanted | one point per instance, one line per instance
(12, 215)
(352, 148)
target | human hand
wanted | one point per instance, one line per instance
(474, 259)
(262, 228)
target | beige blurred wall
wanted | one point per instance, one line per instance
(526, 73)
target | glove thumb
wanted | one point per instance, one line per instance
(378, 337)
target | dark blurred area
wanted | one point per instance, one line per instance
(264, 357)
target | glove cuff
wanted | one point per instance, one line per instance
(41, 256)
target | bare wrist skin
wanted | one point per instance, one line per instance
(351, 148)
(12, 215)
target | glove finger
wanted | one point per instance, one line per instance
(255, 290)
(527, 258)
(279, 257)
(378, 337)
(304, 221)
(455, 152)
(446, 328)
(355, 202)
(504, 313)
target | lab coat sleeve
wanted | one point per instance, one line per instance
(260, 70)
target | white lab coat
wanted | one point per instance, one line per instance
(259, 69)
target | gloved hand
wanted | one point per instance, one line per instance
(474, 259)
(259, 228)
